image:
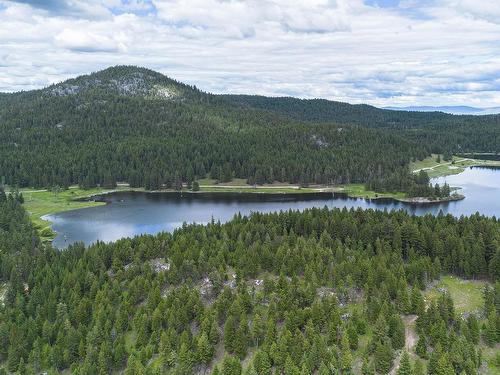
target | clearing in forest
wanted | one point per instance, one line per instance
(467, 295)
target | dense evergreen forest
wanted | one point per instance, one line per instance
(439, 132)
(318, 292)
(135, 125)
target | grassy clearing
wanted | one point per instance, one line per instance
(251, 189)
(445, 168)
(233, 182)
(426, 163)
(467, 295)
(491, 367)
(41, 202)
(3, 290)
(359, 191)
(240, 186)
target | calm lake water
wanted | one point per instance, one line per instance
(132, 213)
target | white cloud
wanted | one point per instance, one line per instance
(420, 53)
(84, 41)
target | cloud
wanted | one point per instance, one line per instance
(246, 17)
(84, 41)
(72, 8)
(382, 52)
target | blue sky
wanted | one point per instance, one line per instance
(381, 52)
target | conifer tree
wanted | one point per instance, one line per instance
(231, 366)
(383, 356)
(405, 365)
(491, 329)
(421, 347)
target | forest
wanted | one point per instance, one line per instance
(314, 292)
(129, 124)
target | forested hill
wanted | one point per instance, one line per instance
(322, 110)
(136, 125)
(440, 131)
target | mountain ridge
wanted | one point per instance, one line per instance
(132, 124)
(132, 80)
(453, 110)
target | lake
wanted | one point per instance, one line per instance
(131, 213)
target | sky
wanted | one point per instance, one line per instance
(380, 52)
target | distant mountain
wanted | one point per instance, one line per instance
(454, 110)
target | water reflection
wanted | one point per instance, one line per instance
(129, 214)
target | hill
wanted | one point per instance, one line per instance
(133, 124)
(438, 131)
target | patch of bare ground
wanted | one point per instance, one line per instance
(411, 339)
(3, 292)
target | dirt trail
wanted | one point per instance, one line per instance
(410, 334)
(439, 165)
(410, 340)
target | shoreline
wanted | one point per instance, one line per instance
(42, 204)
(422, 200)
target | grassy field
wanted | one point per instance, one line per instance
(250, 189)
(491, 367)
(445, 168)
(359, 191)
(42, 202)
(233, 182)
(240, 186)
(467, 295)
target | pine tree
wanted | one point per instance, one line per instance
(432, 366)
(241, 338)
(404, 365)
(346, 356)
(421, 348)
(231, 366)
(491, 330)
(290, 367)
(444, 366)
(230, 334)
(417, 302)
(418, 368)
(367, 368)
(257, 329)
(204, 349)
(262, 363)
(473, 327)
(397, 332)
(383, 356)
(352, 333)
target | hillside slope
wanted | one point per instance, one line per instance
(133, 124)
(439, 131)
